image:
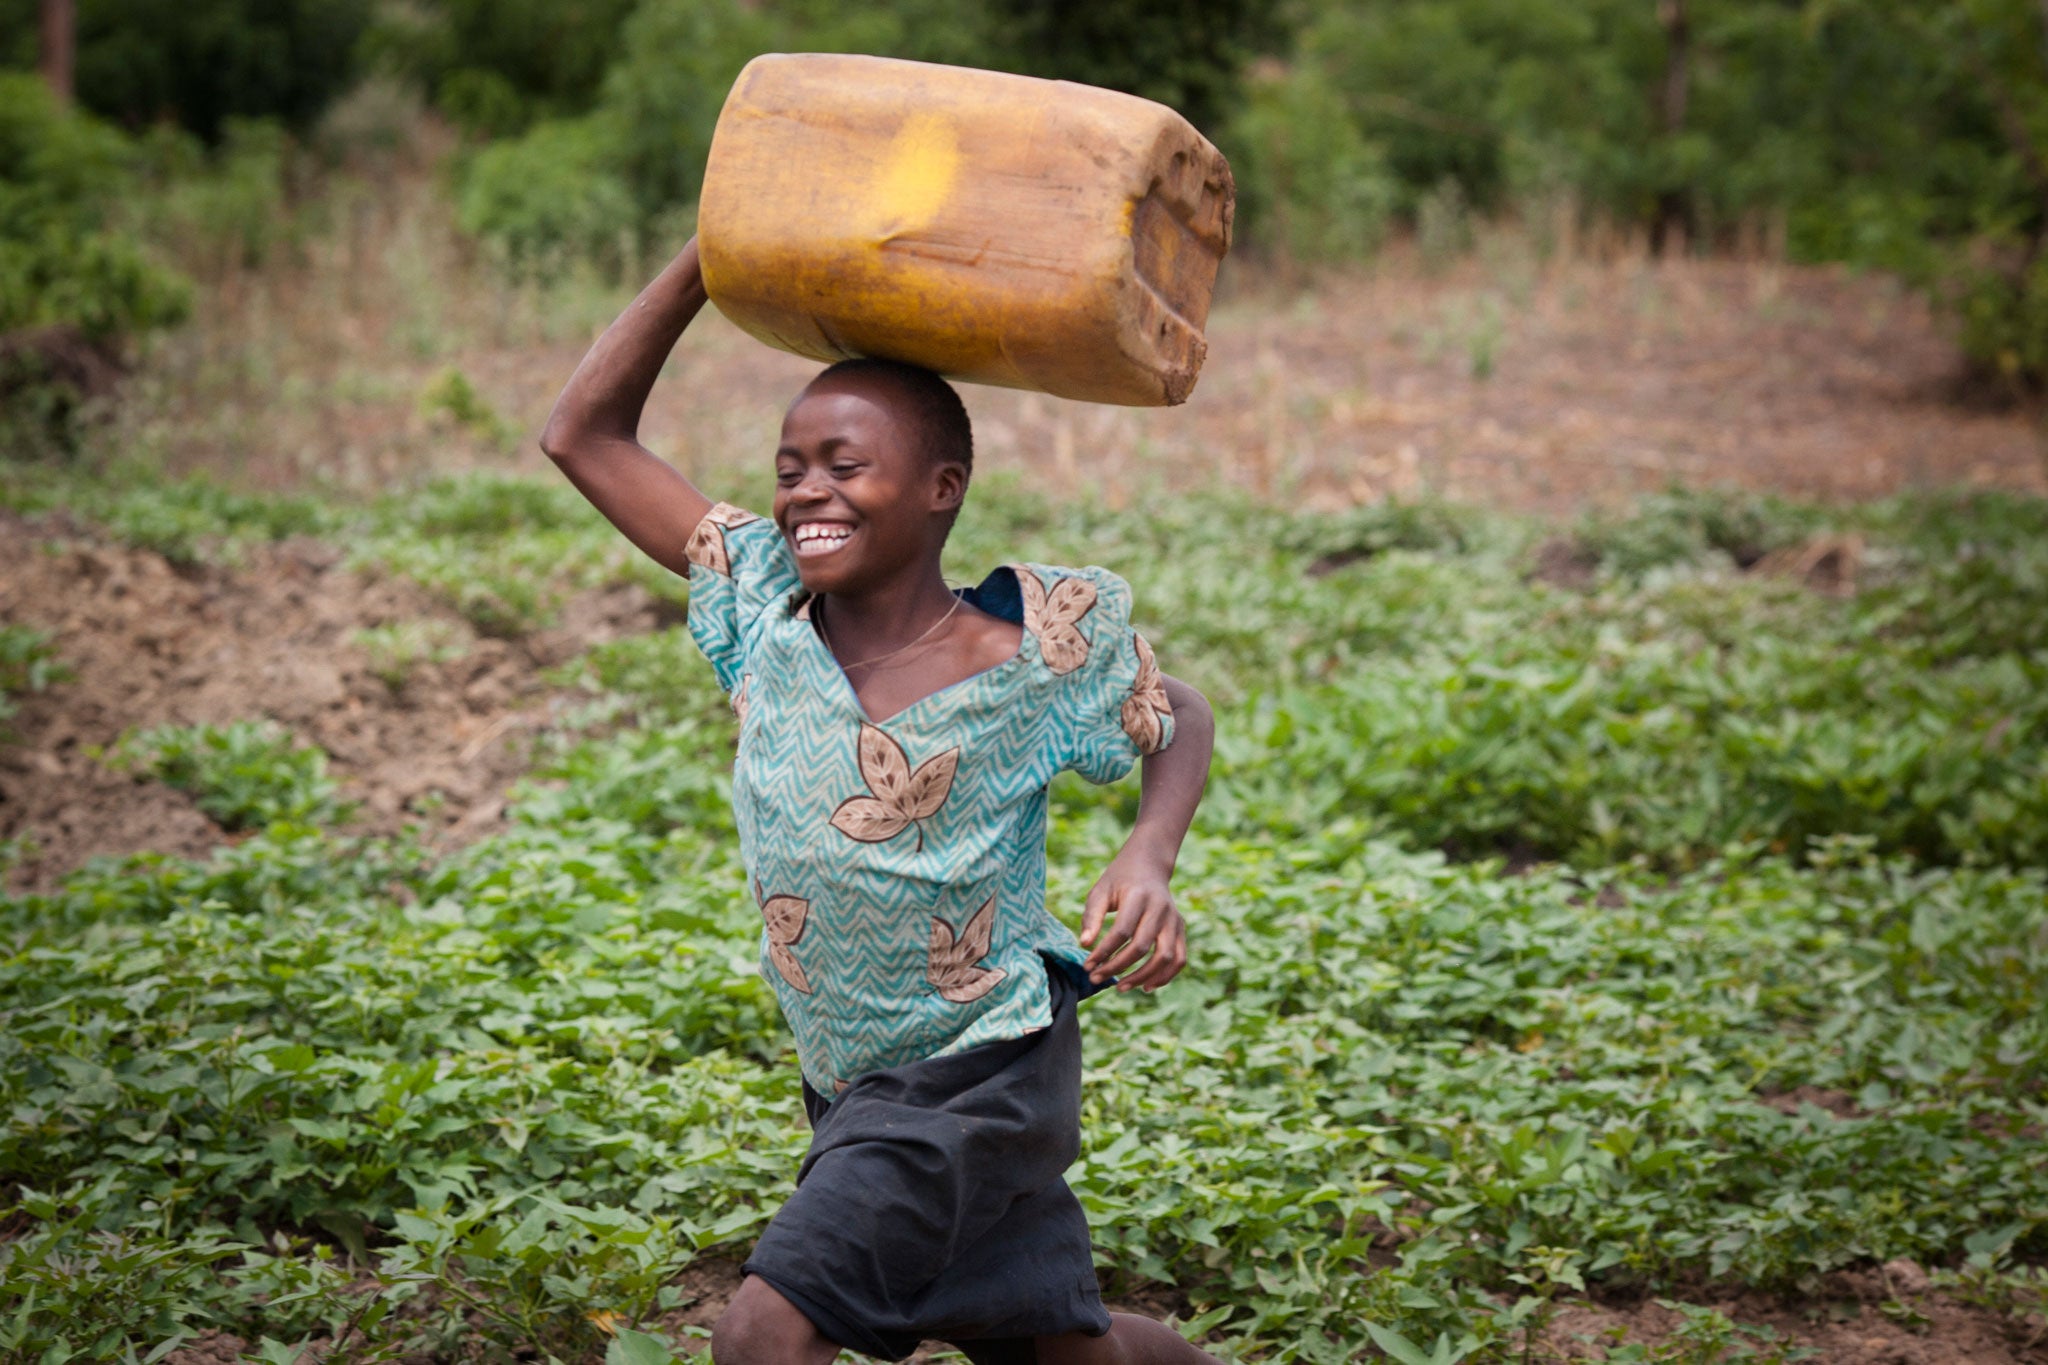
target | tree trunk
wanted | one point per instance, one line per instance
(59, 46)
(1674, 209)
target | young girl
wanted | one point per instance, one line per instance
(896, 739)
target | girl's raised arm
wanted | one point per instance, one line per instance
(593, 433)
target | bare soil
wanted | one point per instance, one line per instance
(153, 644)
(1884, 1315)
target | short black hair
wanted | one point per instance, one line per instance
(944, 433)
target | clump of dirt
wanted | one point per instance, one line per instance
(1566, 562)
(150, 643)
(1838, 1103)
(1885, 1315)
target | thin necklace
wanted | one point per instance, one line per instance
(869, 663)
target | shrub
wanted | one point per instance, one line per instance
(61, 175)
(495, 67)
(1308, 181)
(552, 193)
(449, 397)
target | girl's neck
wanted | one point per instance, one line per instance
(889, 614)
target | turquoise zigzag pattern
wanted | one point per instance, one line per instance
(866, 943)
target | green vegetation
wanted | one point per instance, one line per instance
(1410, 1100)
(397, 649)
(73, 282)
(27, 664)
(246, 775)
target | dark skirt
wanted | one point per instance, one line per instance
(931, 1203)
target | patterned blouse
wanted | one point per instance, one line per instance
(900, 867)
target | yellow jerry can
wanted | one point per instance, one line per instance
(1001, 229)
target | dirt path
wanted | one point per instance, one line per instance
(276, 638)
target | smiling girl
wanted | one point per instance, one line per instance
(896, 741)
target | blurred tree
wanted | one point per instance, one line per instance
(200, 62)
(1967, 210)
(677, 59)
(58, 47)
(72, 287)
(495, 66)
(1674, 210)
(1309, 184)
(1189, 54)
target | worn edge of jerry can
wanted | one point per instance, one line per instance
(1147, 199)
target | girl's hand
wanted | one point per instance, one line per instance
(1134, 890)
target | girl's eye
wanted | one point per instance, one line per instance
(843, 470)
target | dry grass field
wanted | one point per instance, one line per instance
(387, 345)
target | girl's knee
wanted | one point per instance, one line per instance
(760, 1327)
(1131, 1340)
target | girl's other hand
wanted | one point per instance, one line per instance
(1135, 893)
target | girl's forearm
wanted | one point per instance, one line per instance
(603, 400)
(593, 435)
(1170, 787)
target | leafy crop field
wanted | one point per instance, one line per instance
(1649, 910)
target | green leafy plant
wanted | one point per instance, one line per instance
(27, 664)
(397, 648)
(245, 775)
(450, 397)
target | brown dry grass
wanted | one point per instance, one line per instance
(1515, 376)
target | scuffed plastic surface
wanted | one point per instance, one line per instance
(999, 229)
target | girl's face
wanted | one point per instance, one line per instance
(858, 503)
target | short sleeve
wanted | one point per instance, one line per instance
(740, 572)
(1116, 705)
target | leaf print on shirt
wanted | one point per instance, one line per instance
(706, 545)
(1146, 709)
(902, 797)
(787, 917)
(1052, 617)
(951, 968)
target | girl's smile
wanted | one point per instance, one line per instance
(814, 538)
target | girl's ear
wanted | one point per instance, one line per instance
(949, 487)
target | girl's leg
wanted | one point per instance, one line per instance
(760, 1327)
(1131, 1340)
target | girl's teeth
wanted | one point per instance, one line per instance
(821, 539)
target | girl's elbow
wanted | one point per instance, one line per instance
(1186, 700)
(558, 440)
